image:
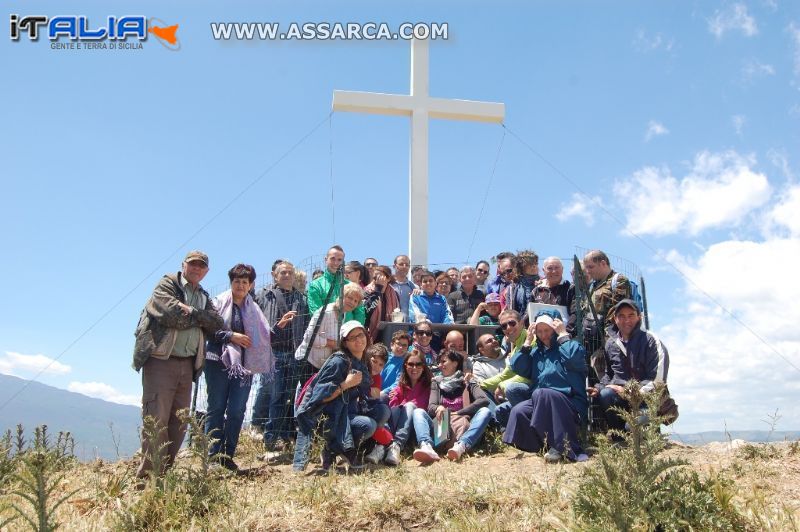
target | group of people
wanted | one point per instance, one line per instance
(320, 358)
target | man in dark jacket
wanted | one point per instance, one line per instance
(466, 298)
(286, 311)
(170, 351)
(631, 353)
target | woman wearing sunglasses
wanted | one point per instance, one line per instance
(342, 382)
(413, 391)
(423, 334)
(468, 409)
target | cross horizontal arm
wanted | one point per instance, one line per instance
(372, 102)
(466, 110)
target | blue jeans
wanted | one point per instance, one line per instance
(278, 424)
(227, 400)
(402, 423)
(261, 403)
(609, 398)
(361, 427)
(477, 425)
(516, 392)
(379, 411)
(423, 426)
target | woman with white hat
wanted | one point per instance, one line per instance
(342, 383)
(558, 405)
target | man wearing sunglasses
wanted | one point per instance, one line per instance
(505, 274)
(482, 275)
(507, 388)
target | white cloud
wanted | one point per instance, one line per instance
(579, 206)
(655, 129)
(779, 159)
(648, 43)
(105, 392)
(13, 363)
(738, 122)
(794, 33)
(730, 18)
(753, 69)
(784, 215)
(718, 191)
(719, 370)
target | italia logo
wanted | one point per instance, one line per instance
(77, 28)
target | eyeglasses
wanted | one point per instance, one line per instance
(371, 264)
(509, 323)
(482, 271)
(508, 271)
(359, 336)
(414, 364)
(403, 346)
(424, 333)
(443, 283)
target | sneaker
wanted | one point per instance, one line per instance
(351, 460)
(552, 456)
(376, 455)
(269, 455)
(456, 451)
(425, 454)
(392, 454)
(582, 457)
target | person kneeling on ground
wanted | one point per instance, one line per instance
(558, 405)
(335, 391)
(631, 353)
(466, 403)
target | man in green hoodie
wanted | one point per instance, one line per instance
(320, 287)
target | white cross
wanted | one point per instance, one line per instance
(420, 106)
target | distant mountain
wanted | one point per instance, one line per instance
(756, 436)
(91, 421)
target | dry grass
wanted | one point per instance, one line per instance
(504, 491)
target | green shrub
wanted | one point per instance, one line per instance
(630, 487)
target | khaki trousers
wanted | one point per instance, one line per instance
(166, 389)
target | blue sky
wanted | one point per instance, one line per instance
(682, 119)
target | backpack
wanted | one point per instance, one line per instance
(636, 296)
(303, 389)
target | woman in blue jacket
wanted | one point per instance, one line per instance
(558, 405)
(337, 391)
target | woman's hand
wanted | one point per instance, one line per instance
(440, 412)
(531, 336)
(286, 319)
(353, 379)
(468, 376)
(241, 340)
(559, 326)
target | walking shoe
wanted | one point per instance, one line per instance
(392, 454)
(456, 451)
(552, 456)
(582, 457)
(376, 455)
(228, 464)
(425, 454)
(351, 460)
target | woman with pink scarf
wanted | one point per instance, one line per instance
(238, 351)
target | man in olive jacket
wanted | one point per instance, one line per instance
(170, 351)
